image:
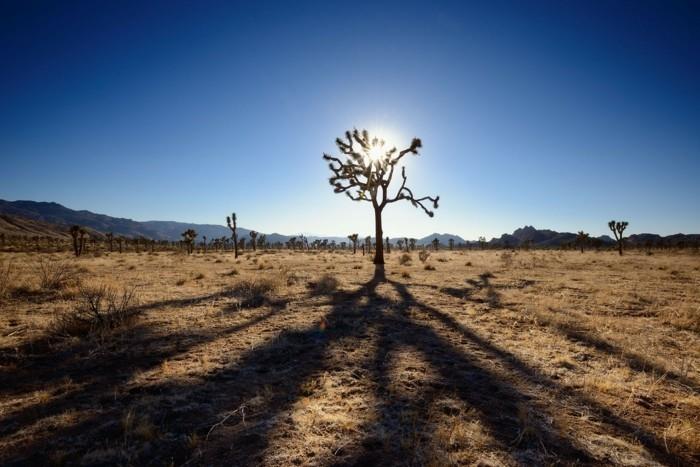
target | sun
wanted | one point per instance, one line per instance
(385, 141)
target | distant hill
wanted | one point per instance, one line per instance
(549, 238)
(32, 218)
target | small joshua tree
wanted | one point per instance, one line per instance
(405, 242)
(231, 222)
(582, 239)
(617, 229)
(110, 239)
(78, 233)
(353, 238)
(189, 236)
(253, 235)
(399, 243)
(412, 243)
(451, 242)
(482, 242)
(388, 245)
(436, 243)
(366, 174)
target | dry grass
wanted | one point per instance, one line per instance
(496, 358)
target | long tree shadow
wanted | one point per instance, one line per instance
(655, 446)
(634, 360)
(94, 377)
(276, 374)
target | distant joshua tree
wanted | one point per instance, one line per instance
(353, 238)
(405, 242)
(582, 238)
(399, 243)
(110, 239)
(366, 174)
(120, 242)
(204, 243)
(617, 229)
(253, 235)
(451, 242)
(78, 233)
(388, 245)
(189, 236)
(482, 242)
(412, 243)
(262, 238)
(231, 222)
(436, 243)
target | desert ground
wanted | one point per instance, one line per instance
(314, 358)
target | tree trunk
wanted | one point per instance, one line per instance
(235, 245)
(379, 248)
(619, 246)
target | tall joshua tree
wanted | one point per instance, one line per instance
(231, 222)
(617, 229)
(582, 239)
(188, 236)
(366, 174)
(353, 238)
(253, 235)
(110, 239)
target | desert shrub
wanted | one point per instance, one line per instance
(255, 292)
(442, 260)
(429, 267)
(326, 284)
(405, 259)
(233, 272)
(56, 275)
(180, 282)
(405, 275)
(100, 308)
(506, 259)
(7, 277)
(468, 263)
(423, 256)
(199, 276)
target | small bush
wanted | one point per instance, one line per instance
(507, 259)
(423, 256)
(100, 308)
(56, 275)
(325, 285)
(405, 259)
(442, 260)
(468, 263)
(405, 275)
(199, 276)
(180, 282)
(429, 267)
(7, 277)
(233, 272)
(253, 293)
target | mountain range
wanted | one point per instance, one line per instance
(33, 218)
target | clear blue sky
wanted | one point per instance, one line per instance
(559, 114)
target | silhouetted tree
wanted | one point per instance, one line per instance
(110, 239)
(436, 243)
(582, 238)
(451, 243)
(617, 229)
(413, 244)
(253, 235)
(388, 245)
(399, 243)
(353, 238)
(366, 174)
(482, 242)
(231, 222)
(189, 236)
(78, 233)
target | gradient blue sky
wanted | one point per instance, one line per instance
(558, 114)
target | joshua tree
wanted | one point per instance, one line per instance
(368, 244)
(110, 239)
(262, 239)
(412, 243)
(366, 174)
(353, 238)
(582, 239)
(388, 245)
(617, 229)
(482, 242)
(189, 235)
(231, 222)
(451, 242)
(253, 235)
(78, 233)
(405, 242)
(436, 243)
(120, 242)
(399, 243)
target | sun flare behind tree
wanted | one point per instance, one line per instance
(366, 175)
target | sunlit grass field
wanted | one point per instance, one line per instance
(310, 358)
